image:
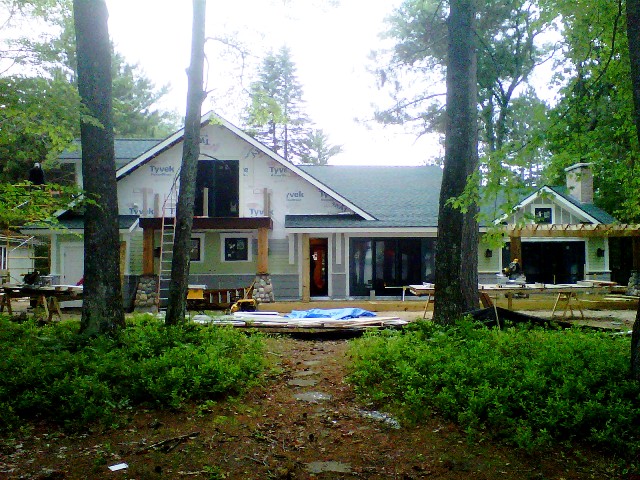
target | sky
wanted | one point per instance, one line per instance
(330, 41)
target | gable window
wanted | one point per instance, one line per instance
(196, 254)
(217, 188)
(543, 214)
(236, 248)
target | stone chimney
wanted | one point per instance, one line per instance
(580, 182)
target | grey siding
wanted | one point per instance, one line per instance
(339, 286)
(286, 287)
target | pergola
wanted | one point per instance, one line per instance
(516, 232)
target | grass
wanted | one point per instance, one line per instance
(50, 373)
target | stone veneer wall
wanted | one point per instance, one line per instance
(634, 283)
(263, 289)
(146, 294)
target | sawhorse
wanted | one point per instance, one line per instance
(567, 298)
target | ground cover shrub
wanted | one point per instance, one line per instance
(51, 373)
(528, 387)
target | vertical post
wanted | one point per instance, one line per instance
(516, 250)
(636, 254)
(145, 202)
(263, 251)
(157, 209)
(266, 202)
(147, 251)
(205, 202)
(306, 268)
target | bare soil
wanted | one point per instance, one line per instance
(303, 421)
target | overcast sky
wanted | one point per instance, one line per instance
(329, 44)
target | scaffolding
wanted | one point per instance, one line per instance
(17, 257)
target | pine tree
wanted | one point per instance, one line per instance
(275, 116)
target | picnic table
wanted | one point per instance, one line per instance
(566, 294)
(49, 297)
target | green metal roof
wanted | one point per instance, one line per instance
(397, 197)
(75, 221)
(596, 212)
(394, 196)
(126, 149)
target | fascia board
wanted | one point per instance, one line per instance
(264, 149)
(557, 198)
(366, 231)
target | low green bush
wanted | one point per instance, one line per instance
(528, 387)
(51, 373)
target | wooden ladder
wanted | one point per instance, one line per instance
(167, 237)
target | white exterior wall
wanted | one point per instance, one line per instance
(288, 192)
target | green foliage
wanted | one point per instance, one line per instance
(317, 149)
(24, 203)
(26, 134)
(593, 122)
(53, 374)
(529, 388)
(275, 115)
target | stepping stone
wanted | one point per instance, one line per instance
(304, 373)
(301, 382)
(311, 363)
(335, 467)
(312, 397)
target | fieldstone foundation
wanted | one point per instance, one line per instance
(263, 289)
(634, 283)
(146, 294)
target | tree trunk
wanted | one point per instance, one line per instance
(176, 308)
(102, 309)
(456, 263)
(633, 34)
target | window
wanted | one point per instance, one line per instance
(196, 254)
(543, 214)
(236, 248)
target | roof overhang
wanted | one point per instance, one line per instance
(557, 197)
(212, 118)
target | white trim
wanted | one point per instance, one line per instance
(427, 232)
(550, 206)
(292, 245)
(247, 236)
(212, 118)
(338, 238)
(561, 201)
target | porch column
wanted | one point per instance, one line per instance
(263, 250)
(306, 268)
(516, 250)
(147, 251)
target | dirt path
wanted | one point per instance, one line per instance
(304, 423)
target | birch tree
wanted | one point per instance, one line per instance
(191, 151)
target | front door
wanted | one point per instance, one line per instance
(319, 281)
(72, 263)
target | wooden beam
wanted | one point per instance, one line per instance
(147, 251)
(574, 230)
(263, 251)
(516, 250)
(306, 268)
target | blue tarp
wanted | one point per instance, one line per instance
(335, 313)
